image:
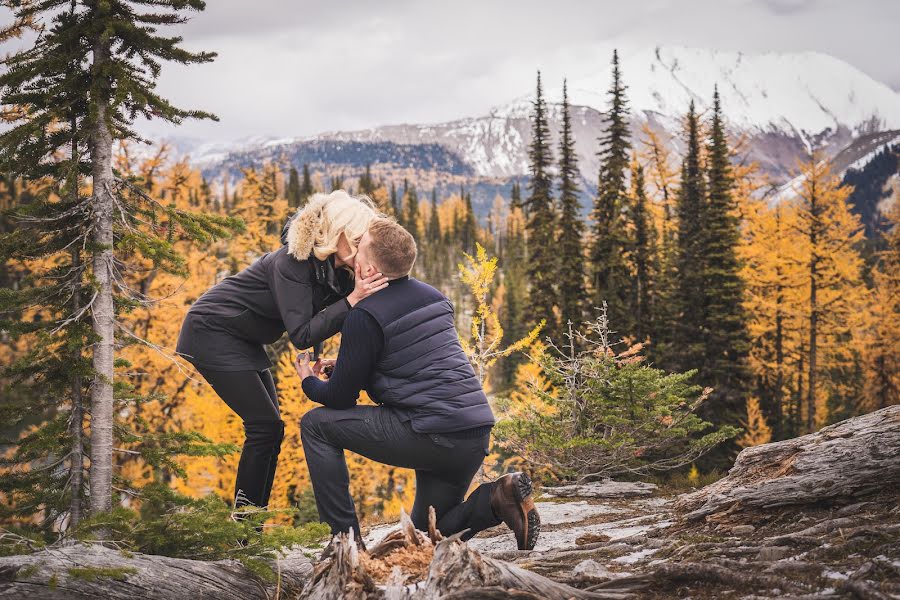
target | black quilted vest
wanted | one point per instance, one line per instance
(422, 370)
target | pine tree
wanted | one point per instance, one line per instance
(412, 221)
(91, 73)
(434, 220)
(689, 298)
(515, 293)
(366, 182)
(541, 225)
(643, 253)
(469, 230)
(572, 291)
(396, 204)
(306, 188)
(610, 272)
(292, 192)
(515, 198)
(661, 175)
(724, 328)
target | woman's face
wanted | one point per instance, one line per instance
(344, 254)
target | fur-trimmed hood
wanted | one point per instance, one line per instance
(300, 230)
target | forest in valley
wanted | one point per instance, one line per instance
(725, 314)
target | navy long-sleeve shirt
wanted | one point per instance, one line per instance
(361, 345)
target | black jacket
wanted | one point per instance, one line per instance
(226, 328)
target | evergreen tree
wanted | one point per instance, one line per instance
(611, 279)
(725, 339)
(306, 188)
(434, 221)
(664, 329)
(643, 253)
(292, 192)
(85, 78)
(411, 222)
(513, 317)
(572, 292)
(515, 198)
(469, 226)
(541, 225)
(689, 301)
(366, 182)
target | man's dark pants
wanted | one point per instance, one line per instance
(444, 464)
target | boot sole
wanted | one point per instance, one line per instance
(523, 490)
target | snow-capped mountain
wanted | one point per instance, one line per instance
(780, 103)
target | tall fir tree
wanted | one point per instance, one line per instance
(87, 79)
(292, 192)
(469, 230)
(687, 351)
(643, 253)
(515, 197)
(611, 277)
(306, 187)
(412, 221)
(366, 182)
(725, 338)
(541, 225)
(513, 316)
(572, 289)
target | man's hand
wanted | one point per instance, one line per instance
(366, 286)
(301, 363)
(323, 368)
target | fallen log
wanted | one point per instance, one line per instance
(840, 462)
(90, 571)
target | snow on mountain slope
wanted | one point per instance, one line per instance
(784, 102)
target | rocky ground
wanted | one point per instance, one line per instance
(643, 545)
(807, 518)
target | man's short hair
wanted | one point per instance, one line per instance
(392, 247)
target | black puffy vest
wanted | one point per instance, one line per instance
(423, 370)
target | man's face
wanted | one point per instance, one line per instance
(363, 258)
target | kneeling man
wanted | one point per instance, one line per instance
(401, 346)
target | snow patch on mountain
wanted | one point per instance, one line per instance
(790, 101)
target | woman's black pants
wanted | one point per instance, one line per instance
(252, 395)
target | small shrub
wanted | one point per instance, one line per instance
(607, 413)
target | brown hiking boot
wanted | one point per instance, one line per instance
(512, 503)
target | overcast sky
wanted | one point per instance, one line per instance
(291, 68)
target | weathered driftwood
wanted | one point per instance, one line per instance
(455, 571)
(838, 463)
(79, 571)
(601, 489)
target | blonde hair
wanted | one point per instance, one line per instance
(317, 227)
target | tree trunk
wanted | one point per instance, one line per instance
(102, 206)
(80, 572)
(76, 467)
(778, 400)
(813, 311)
(840, 462)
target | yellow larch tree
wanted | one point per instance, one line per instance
(756, 430)
(880, 342)
(834, 293)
